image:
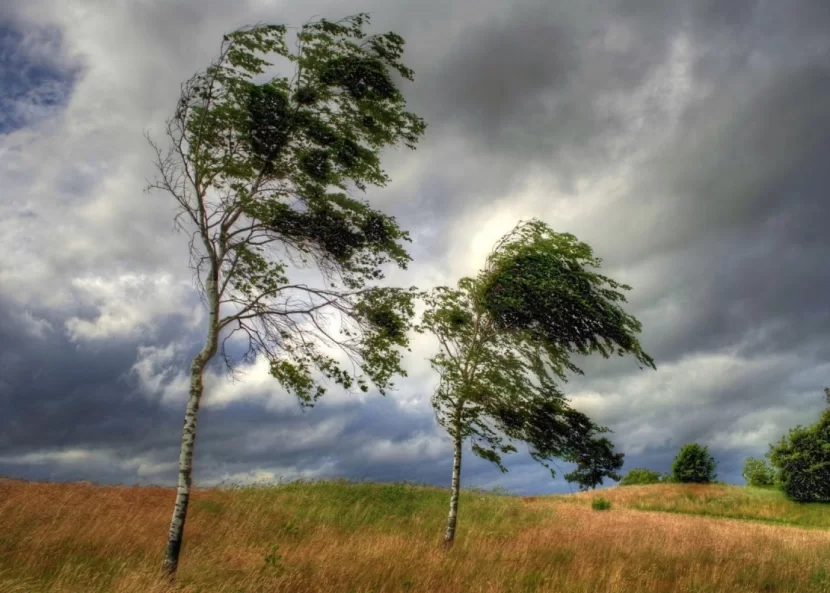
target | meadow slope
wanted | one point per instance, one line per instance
(336, 537)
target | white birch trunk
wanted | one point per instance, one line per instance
(449, 535)
(174, 538)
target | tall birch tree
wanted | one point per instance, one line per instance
(263, 170)
(506, 338)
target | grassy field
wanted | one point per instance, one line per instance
(335, 537)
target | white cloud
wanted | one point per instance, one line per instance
(131, 305)
(420, 446)
(69, 456)
(141, 466)
(159, 373)
(755, 430)
(650, 406)
(163, 375)
(270, 475)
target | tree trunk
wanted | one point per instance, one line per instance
(174, 538)
(449, 535)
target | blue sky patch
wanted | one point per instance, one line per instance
(35, 79)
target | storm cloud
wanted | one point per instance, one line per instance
(686, 142)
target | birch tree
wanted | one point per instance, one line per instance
(263, 171)
(506, 338)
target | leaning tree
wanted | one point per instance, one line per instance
(506, 337)
(263, 170)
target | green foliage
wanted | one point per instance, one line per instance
(500, 360)
(803, 460)
(596, 460)
(693, 464)
(538, 283)
(290, 529)
(640, 476)
(272, 558)
(758, 473)
(263, 170)
(600, 504)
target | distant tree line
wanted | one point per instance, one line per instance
(692, 465)
(798, 464)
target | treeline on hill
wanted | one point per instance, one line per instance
(692, 465)
(798, 464)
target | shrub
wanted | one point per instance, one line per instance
(758, 473)
(640, 476)
(693, 464)
(272, 558)
(600, 504)
(803, 460)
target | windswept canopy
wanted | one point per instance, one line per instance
(506, 340)
(264, 169)
(539, 284)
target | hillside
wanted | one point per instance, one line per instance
(336, 537)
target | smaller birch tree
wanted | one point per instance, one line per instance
(506, 337)
(262, 171)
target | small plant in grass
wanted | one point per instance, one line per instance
(290, 528)
(819, 576)
(600, 504)
(272, 558)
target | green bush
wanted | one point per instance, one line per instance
(693, 464)
(758, 473)
(803, 461)
(640, 476)
(600, 504)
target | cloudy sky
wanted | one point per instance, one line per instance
(687, 142)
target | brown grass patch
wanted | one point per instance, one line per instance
(70, 538)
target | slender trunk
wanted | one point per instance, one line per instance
(449, 535)
(174, 538)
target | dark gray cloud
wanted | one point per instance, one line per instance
(59, 394)
(686, 142)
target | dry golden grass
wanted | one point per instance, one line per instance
(753, 504)
(338, 538)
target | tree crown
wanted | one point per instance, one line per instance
(694, 464)
(802, 458)
(262, 169)
(506, 337)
